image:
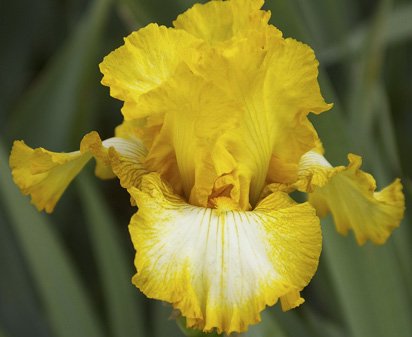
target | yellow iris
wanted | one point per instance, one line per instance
(215, 136)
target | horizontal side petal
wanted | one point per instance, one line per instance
(349, 194)
(148, 57)
(221, 268)
(45, 175)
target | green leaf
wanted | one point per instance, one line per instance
(268, 327)
(399, 29)
(65, 300)
(2, 333)
(133, 13)
(165, 324)
(54, 100)
(366, 72)
(114, 265)
(18, 298)
(369, 284)
(181, 322)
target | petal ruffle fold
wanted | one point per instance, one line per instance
(349, 194)
(291, 300)
(221, 268)
(148, 58)
(228, 117)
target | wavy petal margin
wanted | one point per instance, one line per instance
(45, 175)
(221, 268)
(230, 19)
(148, 57)
(349, 194)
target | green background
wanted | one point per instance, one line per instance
(68, 274)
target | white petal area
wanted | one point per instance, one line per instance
(314, 171)
(126, 158)
(221, 268)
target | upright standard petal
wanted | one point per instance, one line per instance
(219, 21)
(234, 112)
(276, 86)
(148, 58)
(187, 149)
(349, 194)
(221, 267)
(292, 91)
(45, 175)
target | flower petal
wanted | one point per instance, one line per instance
(291, 300)
(188, 148)
(218, 21)
(314, 171)
(349, 194)
(292, 92)
(127, 160)
(229, 118)
(45, 175)
(221, 268)
(148, 57)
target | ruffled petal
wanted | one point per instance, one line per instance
(45, 175)
(123, 157)
(219, 21)
(188, 147)
(291, 300)
(148, 58)
(349, 194)
(221, 267)
(127, 160)
(226, 121)
(314, 171)
(292, 91)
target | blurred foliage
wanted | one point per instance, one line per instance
(68, 274)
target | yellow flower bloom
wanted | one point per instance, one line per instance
(215, 136)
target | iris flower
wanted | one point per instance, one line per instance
(215, 137)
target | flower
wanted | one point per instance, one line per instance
(215, 136)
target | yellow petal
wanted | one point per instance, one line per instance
(349, 194)
(117, 157)
(127, 161)
(228, 120)
(148, 57)
(314, 171)
(292, 91)
(291, 300)
(218, 21)
(45, 175)
(92, 144)
(188, 148)
(220, 268)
